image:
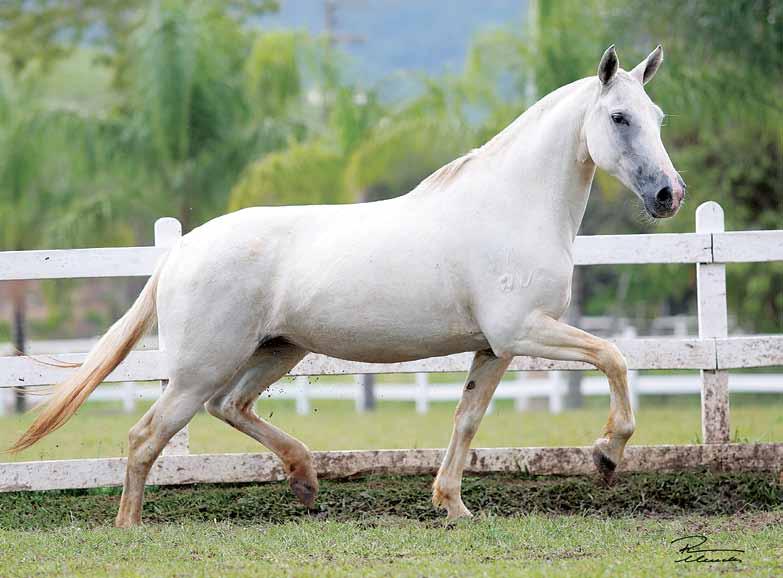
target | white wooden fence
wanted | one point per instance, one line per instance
(713, 352)
(521, 389)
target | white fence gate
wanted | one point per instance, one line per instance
(714, 353)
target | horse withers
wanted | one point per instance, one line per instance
(478, 257)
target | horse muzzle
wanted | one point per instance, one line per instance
(666, 201)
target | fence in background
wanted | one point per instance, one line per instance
(522, 390)
(713, 353)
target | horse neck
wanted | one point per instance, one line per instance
(542, 158)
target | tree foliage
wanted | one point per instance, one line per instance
(46, 31)
(179, 103)
(306, 173)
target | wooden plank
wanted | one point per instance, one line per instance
(653, 353)
(76, 263)
(140, 261)
(168, 231)
(713, 323)
(749, 351)
(38, 370)
(747, 246)
(640, 249)
(264, 467)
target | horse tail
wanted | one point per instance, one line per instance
(104, 357)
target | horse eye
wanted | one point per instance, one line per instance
(619, 118)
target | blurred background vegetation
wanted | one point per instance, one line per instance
(114, 113)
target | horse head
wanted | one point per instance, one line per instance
(622, 131)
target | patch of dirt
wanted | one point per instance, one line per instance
(375, 500)
(748, 522)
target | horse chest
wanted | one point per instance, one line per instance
(514, 283)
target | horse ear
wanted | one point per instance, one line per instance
(608, 65)
(646, 69)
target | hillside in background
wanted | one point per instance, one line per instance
(393, 36)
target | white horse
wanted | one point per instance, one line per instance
(477, 258)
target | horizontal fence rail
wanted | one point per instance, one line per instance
(747, 246)
(731, 247)
(140, 261)
(713, 352)
(265, 467)
(645, 353)
(79, 263)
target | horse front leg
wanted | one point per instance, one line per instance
(553, 339)
(485, 373)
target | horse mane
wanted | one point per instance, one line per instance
(448, 173)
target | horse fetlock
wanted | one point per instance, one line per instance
(624, 429)
(607, 455)
(127, 521)
(451, 501)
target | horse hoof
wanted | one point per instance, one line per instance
(458, 513)
(126, 523)
(304, 491)
(605, 466)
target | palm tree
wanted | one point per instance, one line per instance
(202, 102)
(46, 173)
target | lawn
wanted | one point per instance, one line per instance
(385, 526)
(100, 430)
(530, 545)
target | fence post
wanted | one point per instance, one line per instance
(167, 231)
(129, 397)
(522, 399)
(556, 386)
(6, 400)
(367, 397)
(359, 393)
(422, 393)
(713, 323)
(633, 375)
(302, 400)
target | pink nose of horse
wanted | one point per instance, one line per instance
(668, 199)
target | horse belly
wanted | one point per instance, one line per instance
(383, 340)
(380, 314)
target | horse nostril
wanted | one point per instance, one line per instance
(664, 197)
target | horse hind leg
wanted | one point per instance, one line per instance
(169, 414)
(234, 405)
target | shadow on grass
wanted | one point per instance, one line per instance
(408, 497)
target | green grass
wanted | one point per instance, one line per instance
(531, 545)
(386, 526)
(100, 430)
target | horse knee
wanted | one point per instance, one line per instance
(136, 437)
(223, 408)
(466, 424)
(214, 407)
(140, 451)
(611, 361)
